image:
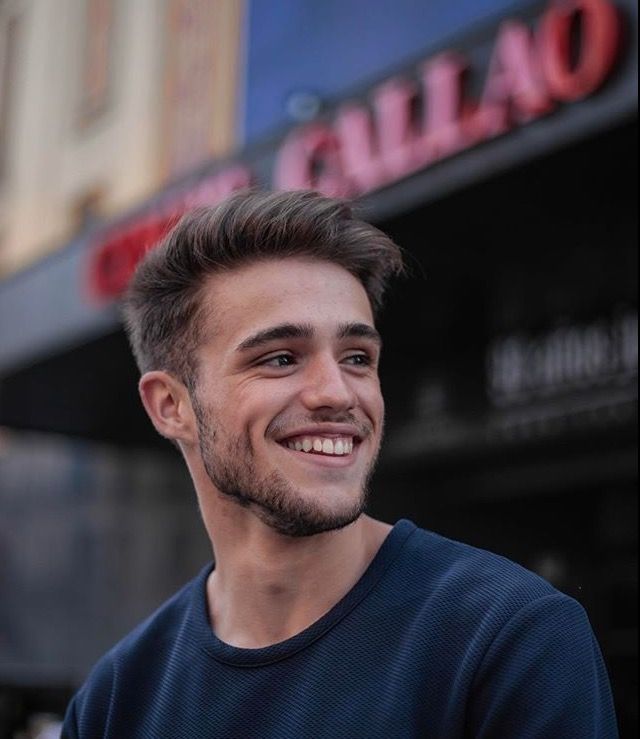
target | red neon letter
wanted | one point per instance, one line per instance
(359, 153)
(110, 267)
(113, 261)
(515, 89)
(393, 104)
(599, 45)
(443, 134)
(310, 159)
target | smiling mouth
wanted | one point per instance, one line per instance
(340, 446)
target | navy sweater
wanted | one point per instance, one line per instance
(437, 639)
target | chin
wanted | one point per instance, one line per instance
(298, 516)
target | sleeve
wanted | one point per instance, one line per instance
(543, 676)
(88, 713)
(70, 724)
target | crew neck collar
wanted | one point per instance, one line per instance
(243, 657)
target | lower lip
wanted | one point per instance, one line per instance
(324, 460)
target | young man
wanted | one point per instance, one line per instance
(253, 327)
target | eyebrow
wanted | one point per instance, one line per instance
(359, 331)
(282, 331)
(306, 331)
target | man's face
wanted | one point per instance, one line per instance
(288, 399)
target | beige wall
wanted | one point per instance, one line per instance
(55, 160)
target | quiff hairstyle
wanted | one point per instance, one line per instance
(163, 306)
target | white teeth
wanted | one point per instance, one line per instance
(333, 447)
(327, 446)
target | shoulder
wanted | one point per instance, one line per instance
(448, 562)
(141, 652)
(467, 582)
(483, 609)
(507, 645)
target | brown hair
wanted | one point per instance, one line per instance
(163, 305)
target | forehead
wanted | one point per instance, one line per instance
(289, 290)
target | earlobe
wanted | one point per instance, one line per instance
(166, 401)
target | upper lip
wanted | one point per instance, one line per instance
(326, 429)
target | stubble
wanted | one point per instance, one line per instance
(230, 465)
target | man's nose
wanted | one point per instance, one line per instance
(327, 386)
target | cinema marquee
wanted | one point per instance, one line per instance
(404, 125)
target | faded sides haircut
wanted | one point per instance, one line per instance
(163, 306)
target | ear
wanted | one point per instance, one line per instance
(168, 405)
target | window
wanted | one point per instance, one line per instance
(97, 59)
(203, 40)
(9, 40)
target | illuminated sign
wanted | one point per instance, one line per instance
(408, 123)
(522, 368)
(114, 258)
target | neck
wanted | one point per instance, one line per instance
(267, 587)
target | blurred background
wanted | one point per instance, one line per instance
(494, 139)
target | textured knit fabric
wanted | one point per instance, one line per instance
(436, 640)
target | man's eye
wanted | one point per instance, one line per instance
(280, 360)
(359, 360)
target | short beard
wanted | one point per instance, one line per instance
(274, 500)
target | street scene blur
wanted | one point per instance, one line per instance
(494, 140)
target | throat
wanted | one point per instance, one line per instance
(268, 588)
(270, 615)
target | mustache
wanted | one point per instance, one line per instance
(282, 426)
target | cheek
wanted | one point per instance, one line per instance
(256, 406)
(373, 402)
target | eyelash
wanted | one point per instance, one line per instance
(363, 360)
(270, 360)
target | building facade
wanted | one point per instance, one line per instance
(103, 102)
